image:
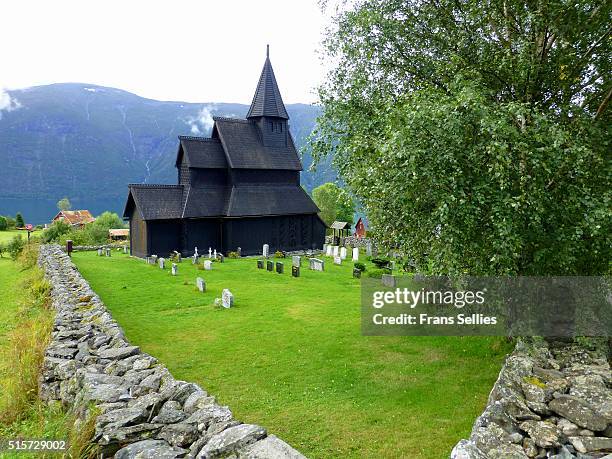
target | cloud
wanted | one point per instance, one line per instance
(7, 103)
(202, 123)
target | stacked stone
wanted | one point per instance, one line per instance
(548, 402)
(142, 410)
(89, 248)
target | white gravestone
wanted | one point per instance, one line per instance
(355, 254)
(195, 252)
(296, 260)
(201, 284)
(215, 254)
(328, 252)
(343, 253)
(174, 269)
(162, 263)
(148, 260)
(207, 265)
(108, 252)
(209, 252)
(266, 250)
(227, 298)
(369, 250)
(337, 260)
(317, 264)
(194, 259)
(335, 252)
(99, 252)
(125, 249)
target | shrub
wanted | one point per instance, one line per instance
(381, 262)
(279, 254)
(233, 255)
(10, 222)
(3, 223)
(19, 223)
(57, 229)
(15, 247)
(377, 273)
(360, 266)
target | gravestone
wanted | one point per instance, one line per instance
(328, 252)
(209, 253)
(335, 251)
(239, 252)
(174, 269)
(207, 265)
(392, 265)
(194, 259)
(343, 253)
(337, 260)
(270, 265)
(195, 252)
(296, 260)
(325, 248)
(153, 259)
(369, 249)
(201, 284)
(317, 264)
(227, 298)
(125, 249)
(220, 257)
(99, 252)
(388, 280)
(148, 260)
(266, 251)
(355, 254)
(162, 263)
(260, 264)
(374, 251)
(356, 273)
(215, 254)
(295, 271)
(280, 267)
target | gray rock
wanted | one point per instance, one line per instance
(466, 450)
(151, 382)
(530, 448)
(196, 401)
(183, 390)
(118, 353)
(270, 447)
(170, 413)
(150, 449)
(563, 453)
(579, 412)
(544, 433)
(122, 417)
(209, 414)
(129, 434)
(231, 440)
(510, 451)
(591, 444)
(180, 434)
(107, 393)
(568, 428)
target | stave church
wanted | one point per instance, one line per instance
(240, 187)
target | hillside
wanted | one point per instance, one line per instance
(88, 142)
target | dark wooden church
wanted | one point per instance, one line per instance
(238, 188)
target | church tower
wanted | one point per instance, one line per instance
(267, 109)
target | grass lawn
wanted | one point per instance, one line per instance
(6, 236)
(290, 356)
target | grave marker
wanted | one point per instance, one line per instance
(328, 252)
(280, 267)
(108, 252)
(337, 260)
(335, 250)
(207, 265)
(296, 260)
(260, 264)
(369, 249)
(125, 249)
(201, 284)
(356, 273)
(162, 263)
(174, 269)
(343, 253)
(388, 280)
(295, 271)
(355, 254)
(270, 265)
(266, 251)
(99, 252)
(317, 264)
(227, 298)
(239, 251)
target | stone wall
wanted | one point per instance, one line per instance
(550, 401)
(142, 410)
(89, 248)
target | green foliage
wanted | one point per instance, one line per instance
(2, 249)
(64, 204)
(360, 266)
(10, 222)
(15, 246)
(233, 255)
(476, 134)
(3, 223)
(57, 229)
(279, 254)
(19, 223)
(377, 273)
(380, 262)
(334, 202)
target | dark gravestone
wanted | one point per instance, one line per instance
(280, 267)
(270, 265)
(260, 264)
(295, 271)
(357, 273)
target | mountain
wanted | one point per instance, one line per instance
(88, 142)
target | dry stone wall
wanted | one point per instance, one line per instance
(550, 401)
(141, 410)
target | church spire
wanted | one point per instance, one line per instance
(267, 100)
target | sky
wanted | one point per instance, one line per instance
(194, 51)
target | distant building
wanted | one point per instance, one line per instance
(360, 229)
(74, 217)
(119, 234)
(240, 187)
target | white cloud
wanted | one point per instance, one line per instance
(202, 123)
(7, 103)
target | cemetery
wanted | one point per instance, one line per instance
(278, 340)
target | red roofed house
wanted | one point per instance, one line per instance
(74, 217)
(360, 230)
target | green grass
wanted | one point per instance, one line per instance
(6, 236)
(290, 356)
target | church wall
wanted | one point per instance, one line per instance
(201, 233)
(138, 235)
(164, 237)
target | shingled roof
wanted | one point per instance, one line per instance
(155, 202)
(201, 152)
(267, 100)
(244, 147)
(255, 200)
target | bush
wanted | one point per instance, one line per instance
(233, 255)
(360, 266)
(55, 231)
(377, 273)
(279, 254)
(15, 247)
(19, 223)
(10, 222)
(381, 262)
(3, 223)
(2, 249)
